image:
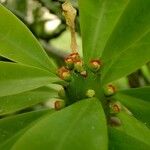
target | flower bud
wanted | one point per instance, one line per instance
(109, 90)
(90, 93)
(115, 107)
(58, 104)
(64, 74)
(61, 93)
(95, 65)
(78, 66)
(69, 62)
(83, 73)
(114, 121)
(75, 57)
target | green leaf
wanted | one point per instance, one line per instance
(128, 46)
(77, 127)
(118, 140)
(13, 103)
(15, 78)
(137, 102)
(132, 134)
(140, 93)
(18, 44)
(98, 19)
(11, 128)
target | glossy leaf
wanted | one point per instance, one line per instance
(18, 44)
(98, 19)
(121, 141)
(11, 128)
(15, 78)
(77, 127)
(137, 102)
(13, 103)
(132, 134)
(128, 46)
(140, 93)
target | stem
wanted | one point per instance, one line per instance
(73, 41)
(70, 14)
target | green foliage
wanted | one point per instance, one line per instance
(137, 100)
(16, 78)
(15, 36)
(131, 135)
(12, 128)
(66, 130)
(13, 103)
(114, 33)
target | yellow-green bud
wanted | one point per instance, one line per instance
(95, 65)
(83, 73)
(78, 66)
(64, 74)
(69, 62)
(109, 90)
(90, 93)
(115, 107)
(61, 93)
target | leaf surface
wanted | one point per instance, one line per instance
(79, 126)
(98, 20)
(18, 44)
(12, 127)
(137, 101)
(127, 48)
(15, 78)
(13, 103)
(132, 134)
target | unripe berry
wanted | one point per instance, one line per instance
(90, 93)
(109, 90)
